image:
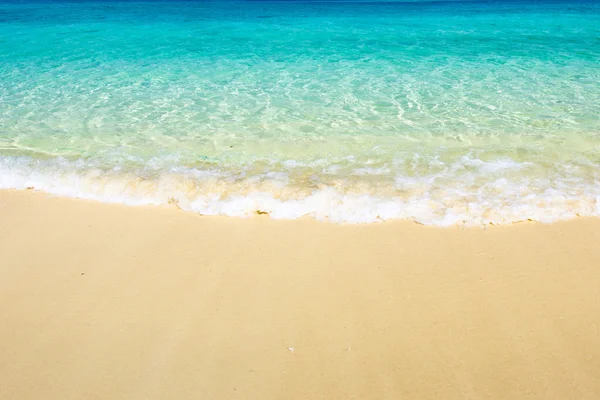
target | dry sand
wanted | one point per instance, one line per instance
(110, 302)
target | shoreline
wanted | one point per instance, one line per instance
(338, 208)
(111, 301)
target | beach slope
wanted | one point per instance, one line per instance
(103, 301)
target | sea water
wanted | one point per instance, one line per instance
(444, 113)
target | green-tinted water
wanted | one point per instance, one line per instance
(444, 113)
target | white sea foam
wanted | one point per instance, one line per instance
(468, 192)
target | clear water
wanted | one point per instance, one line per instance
(440, 112)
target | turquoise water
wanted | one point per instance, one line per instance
(439, 112)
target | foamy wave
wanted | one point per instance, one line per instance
(468, 192)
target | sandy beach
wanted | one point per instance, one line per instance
(103, 301)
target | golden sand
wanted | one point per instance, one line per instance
(104, 301)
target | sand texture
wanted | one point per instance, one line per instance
(105, 301)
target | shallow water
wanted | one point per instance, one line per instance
(440, 112)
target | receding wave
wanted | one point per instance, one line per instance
(469, 192)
